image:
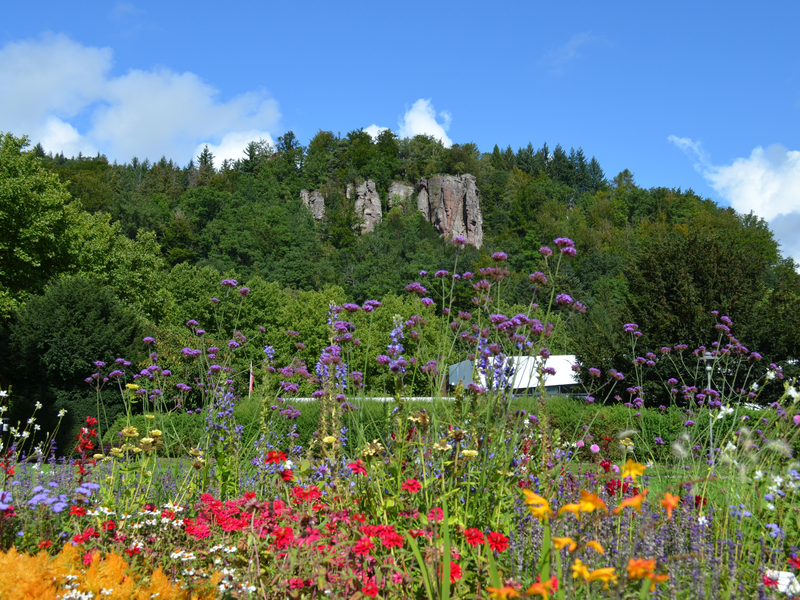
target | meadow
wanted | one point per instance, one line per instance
(219, 484)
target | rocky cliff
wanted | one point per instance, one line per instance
(399, 191)
(315, 202)
(451, 204)
(368, 204)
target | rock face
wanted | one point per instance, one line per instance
(451, 204)
(315, 202)
(368, 205)
(399, 191)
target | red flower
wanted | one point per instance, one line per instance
(497, 541)
(78, 511)
(606, 464)
(392, 539)
(474, 536)
(359, 517)
(91, 421)
(436, 514)
(131, 551)
(357, 467)
(296, 583)
(416, 532)
(769, 581)
(370, 590)
(363, 546)
(287, 475)
(795, 562)
(412, 486)
(45, 544)
(275, 457)
(455, 572)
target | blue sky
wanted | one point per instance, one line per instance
(701, 95)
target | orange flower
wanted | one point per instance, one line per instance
(573, 508)
(639, 568)
(606, 575)
(632, 469)
(543, 588)
(634, 501)
(561, 542)
(656, 579)
(503, 593)
(670, 502)
(589, 502)
(595, 546)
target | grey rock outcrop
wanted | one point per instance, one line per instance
(399, 191)
(368, 204)
(451, 204)
(315, 202)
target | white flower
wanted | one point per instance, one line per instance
(793, 393)
(62, 412)
(31, 420)
(754, 387)
(38, 405)
(105, 592)
(724, 411)
(37, 428)
(771, 375)
(702, 520)
(730, 447)
(3, 393)
(758, 475)
(289, 465)
(769, 506)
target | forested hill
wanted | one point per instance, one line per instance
(155, 233)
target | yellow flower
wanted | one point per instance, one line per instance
(579, 570)
(155, 433)
(538, 506)
(606, 575)
(632, 469)
(149, 417)
(97, 456)
(573, 508)
(117, 452)
(589, 502)
(329, 439)
(634, 502)
(132, 386)
(146, 443)
(561, 542)
(543, 588)
(130, 432)
(469, 454)
(195, 452)
(595, 546)
(442, 446)
(656, 579)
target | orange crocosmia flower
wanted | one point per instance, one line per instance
(539, 507)
(595, 546)
(639, 568)
(670, 502)
(606, 575)
(541, 512)
(632, 469)
(579, 570)
(656, 579)
(634, 502)
(573, 508)
(534, 498)
(543, 588)
(502, 593)
(590, 501)
(561, 542)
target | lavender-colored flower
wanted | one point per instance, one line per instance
(214, 300)
(231, 283)
(468, 275)
(796, 420)
(383, 359)
(427, 301)
(149, 340)
(545, 251)
(563, 242)
(589, 399)
(183, 387)
(688, 423)
(630, 327)
(569, 251)
(594, 448)
(243, 291)
(458, 240)
(416, 288)
(564, 300)
(441, 273)
(499, 256)
(594, 372)
(616, 374)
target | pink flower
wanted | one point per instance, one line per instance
(594, 448)
(796, 419)
(579, 443)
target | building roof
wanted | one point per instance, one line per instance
(526, 375)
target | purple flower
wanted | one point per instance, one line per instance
(458, 240)
(538, 277)
(149, 340)
(594, 372)
(350, 307)
(564, 300)
(192, 323)
(589, 399)
(423, 273)
(183, 387)
(563, 242)
(499, 256)
(383, 359)
(231, 283)
(214, 300)
(427, 301)
(244, 291)
(441, 273)
(545, 251)
(688, 423)
(659, 441)
(468, 275)
(416, 288)
(616, 374)
(630, 327)
(594, 448)
(796, 420)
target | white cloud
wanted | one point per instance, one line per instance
(375, 130)
(49, 85)
(421, 119)
(766, 183)
(557, 59)
(232, 146)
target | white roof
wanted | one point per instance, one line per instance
(526, 375)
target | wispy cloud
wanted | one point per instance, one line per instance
(49, 85)
(557, 59)
(767, 183)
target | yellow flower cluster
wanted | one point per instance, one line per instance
(42, 577)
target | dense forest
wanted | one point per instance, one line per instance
(94, 255)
